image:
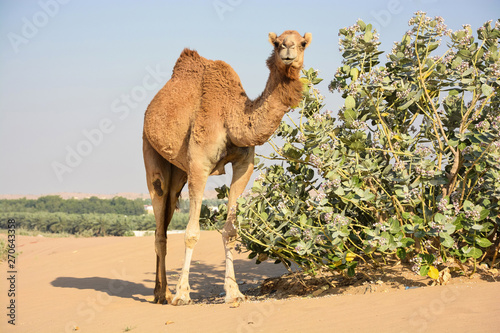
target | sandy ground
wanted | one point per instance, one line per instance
(106, 284)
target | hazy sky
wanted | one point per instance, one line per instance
(76, 76)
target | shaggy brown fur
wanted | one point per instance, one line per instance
(198, 122)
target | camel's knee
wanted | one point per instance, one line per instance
(160, 244)
(229, 235)
(160, 241)
(157, 186)
(191, 239)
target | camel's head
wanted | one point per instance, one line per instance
(289, 48)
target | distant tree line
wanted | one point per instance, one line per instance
(90, 217)
(80, 224)
(54, 204)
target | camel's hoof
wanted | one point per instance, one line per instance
(162, 300)
(182, 300)
(236, 299)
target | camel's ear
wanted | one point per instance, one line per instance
(272, 38)
(308, 37)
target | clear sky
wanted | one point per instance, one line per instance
(76, 76)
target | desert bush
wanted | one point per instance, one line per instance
(410, 168)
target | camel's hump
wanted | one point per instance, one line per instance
(188, 53)
(189, 61)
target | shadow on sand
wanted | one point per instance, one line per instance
(113, 287)
(206, 281)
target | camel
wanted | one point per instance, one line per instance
(197, 123)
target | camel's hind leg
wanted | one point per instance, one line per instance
(165, 181)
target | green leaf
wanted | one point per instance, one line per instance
(473, 252)
(483, 242)
(368, 36)
(446, 240)
(387, 169)
(401, 253)
(303, 220)
(354, 75)
(362, 25)
(406, 39)
(456, 62)
(357, 145)
(350, 115)
(424, 269)
(420, 233)
(406, 215)
(487, 90)
(291, 152)
(469, 71)
(453, 142)
(449, 228)
(484, 214)
(257, 187)
(438, 217)
(417, 219)
(340, 192)
(468, 205)
(331, 175)
(350, 103)
(395, 227)
(407, 242)
(433, 46)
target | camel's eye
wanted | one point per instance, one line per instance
(276, 44)
(304, 43)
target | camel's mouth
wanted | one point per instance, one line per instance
(287, 61)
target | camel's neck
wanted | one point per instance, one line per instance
(257, 121)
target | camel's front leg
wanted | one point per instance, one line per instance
(242, 170)
(197, 179)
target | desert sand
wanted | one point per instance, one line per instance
(106, 285)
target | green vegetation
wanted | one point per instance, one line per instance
(54, 204)
(410, 170)
(80, 224)
(4, 249)
(88, 217)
